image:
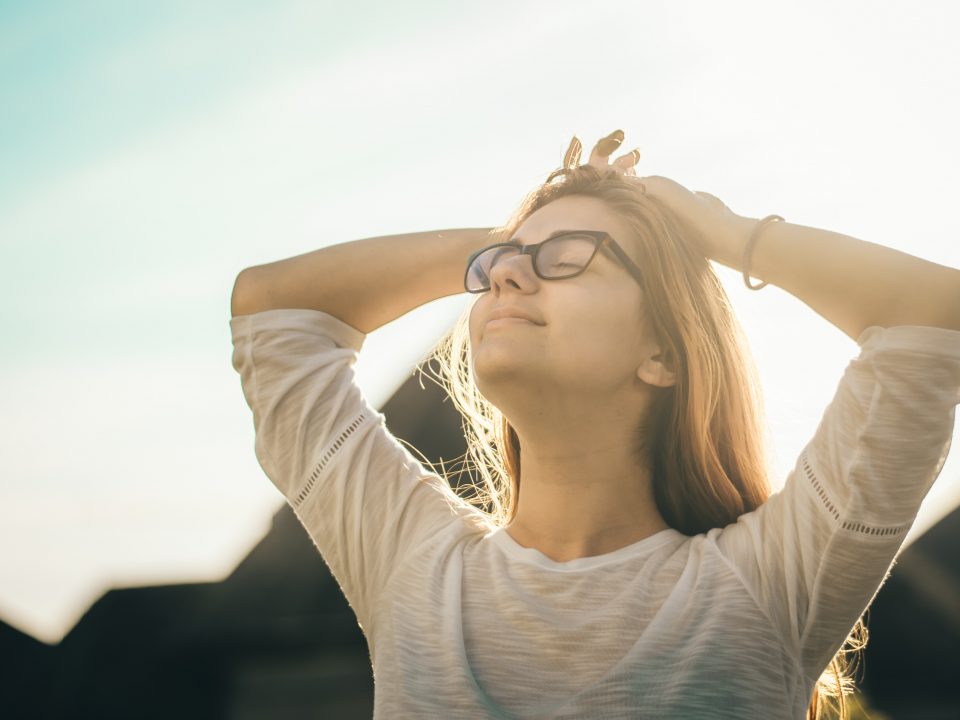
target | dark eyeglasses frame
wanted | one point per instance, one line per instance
(600, 238)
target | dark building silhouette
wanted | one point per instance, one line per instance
(912, 660)
(276, 639)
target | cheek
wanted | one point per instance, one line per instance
(600, 335)
(590, 318)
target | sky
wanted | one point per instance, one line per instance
(151, 151)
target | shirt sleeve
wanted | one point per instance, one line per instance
(365, 500)
(815, 554)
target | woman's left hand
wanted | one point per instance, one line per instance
(718, 231)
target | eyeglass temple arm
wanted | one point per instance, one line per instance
(629, 264)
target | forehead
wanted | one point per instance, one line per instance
(573, 212)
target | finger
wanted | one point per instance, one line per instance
(712, 198)
(571, 158)
(605, 145)
(629, 160)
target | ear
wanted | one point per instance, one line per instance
(655, 371)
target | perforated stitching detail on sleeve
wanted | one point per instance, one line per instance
(832, 509)
(875, 530)
(327, 456)
(818, 488)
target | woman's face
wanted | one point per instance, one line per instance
(587, 339)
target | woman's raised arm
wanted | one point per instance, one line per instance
(365, 283)
(854, 284)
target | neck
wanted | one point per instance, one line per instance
(578, 504)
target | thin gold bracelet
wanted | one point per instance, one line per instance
(749, 248)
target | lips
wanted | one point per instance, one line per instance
(513, 312)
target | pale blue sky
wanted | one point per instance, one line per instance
(149, 153)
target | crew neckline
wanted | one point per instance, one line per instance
(511, 547)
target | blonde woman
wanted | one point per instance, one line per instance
(624, 556)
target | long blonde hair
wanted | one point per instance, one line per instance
(704, 437)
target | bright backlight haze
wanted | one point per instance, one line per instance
(151, 152)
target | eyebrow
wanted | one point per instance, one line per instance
(517, 240)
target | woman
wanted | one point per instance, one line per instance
(624, 557)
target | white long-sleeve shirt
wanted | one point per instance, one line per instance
(463, 622)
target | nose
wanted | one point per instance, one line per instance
(516, 271)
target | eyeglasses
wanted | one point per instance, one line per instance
(564, 254)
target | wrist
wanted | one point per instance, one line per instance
(729, 251)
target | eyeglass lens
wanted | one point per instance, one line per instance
(559, 257)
